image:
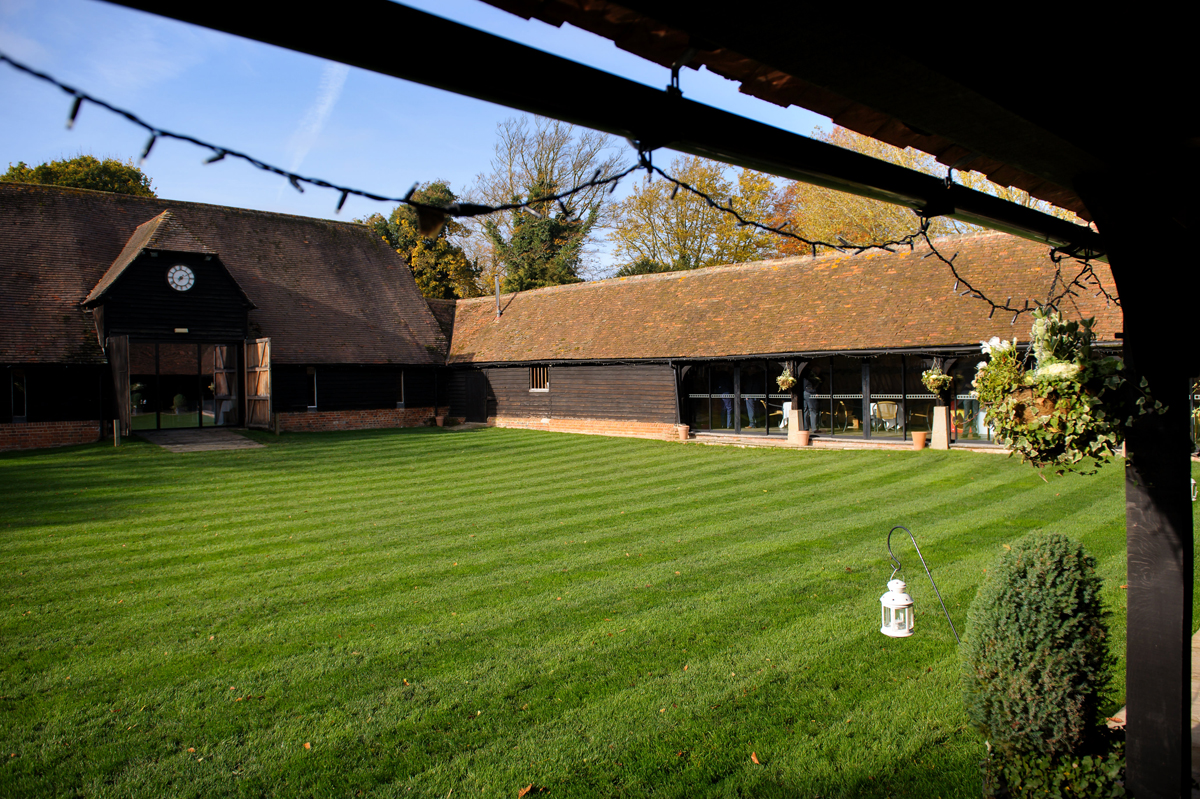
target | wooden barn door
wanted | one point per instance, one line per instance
(476, 396)
(118, 359)
(258, 383)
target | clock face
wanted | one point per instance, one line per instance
(180, 278)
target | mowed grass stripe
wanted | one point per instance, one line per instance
(405, 671)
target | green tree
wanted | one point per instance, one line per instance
(84, 172)
(545, 245)
(646, 266)
(536, 151)
(685, 232)
(439, 265)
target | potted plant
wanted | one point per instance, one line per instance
(1070, 407)
(786, 380)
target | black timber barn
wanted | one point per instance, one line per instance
(171, 314)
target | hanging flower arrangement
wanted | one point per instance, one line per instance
(1072, 406)
(786, 380)
(936, 380)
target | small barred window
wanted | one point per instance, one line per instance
(539, 378)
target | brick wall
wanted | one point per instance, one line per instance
(318, 421)
(593, 427)
(38, 435)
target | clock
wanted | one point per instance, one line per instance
(180, 278)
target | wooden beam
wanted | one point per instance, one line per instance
(364, 34)
(1158, 508)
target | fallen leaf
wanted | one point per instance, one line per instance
(307, 745)
(524, 790)
(754, 757)
(191, 749)
(685, 668)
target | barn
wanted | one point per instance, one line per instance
(168, 314)
(646, 355)
(163, 314)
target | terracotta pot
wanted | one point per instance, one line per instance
(803, 437)
(684, 431)
(919, 439)
(440, 420)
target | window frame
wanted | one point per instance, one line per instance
(19, 377)
(539, 378)
(311, 387)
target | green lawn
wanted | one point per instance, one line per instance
(419, 612)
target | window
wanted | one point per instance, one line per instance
(19, 404)
(312, 387)
(400, 389)
(539, 378)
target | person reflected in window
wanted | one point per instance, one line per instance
(812, 381)
(724, 387)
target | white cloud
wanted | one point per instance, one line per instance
(333, 79)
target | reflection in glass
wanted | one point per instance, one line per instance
(968, 420)
(695, 388)
(814, 383)
(721, 383)
(777, 418)
(143, 385)
(179, 385)
(847, 396)
(753, 404)
(887, 397)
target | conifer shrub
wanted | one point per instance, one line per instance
(1035, 656)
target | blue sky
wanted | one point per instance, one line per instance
(298, 112)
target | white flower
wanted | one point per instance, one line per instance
(1058, 370)
(993, 344)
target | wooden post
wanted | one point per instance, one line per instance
(1156, 299)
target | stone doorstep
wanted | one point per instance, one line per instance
(198, 440)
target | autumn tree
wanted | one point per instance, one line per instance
(84, 172)
(439, 265)
(674, 228)
(545, 242)
(532, 152)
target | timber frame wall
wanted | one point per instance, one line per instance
(630, 393)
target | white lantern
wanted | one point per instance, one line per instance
(897, 611)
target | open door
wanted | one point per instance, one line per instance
(118, 359)
(258, 383)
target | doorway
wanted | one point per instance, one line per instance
(176, 384)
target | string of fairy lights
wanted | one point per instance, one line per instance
(431, 218)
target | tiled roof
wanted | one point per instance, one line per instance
(163, 232)
(831, 303)
(326, 292)
(443, 311)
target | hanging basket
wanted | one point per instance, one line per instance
(1070, 413)
(1028, 406)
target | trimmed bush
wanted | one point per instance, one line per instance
(1035, 655)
